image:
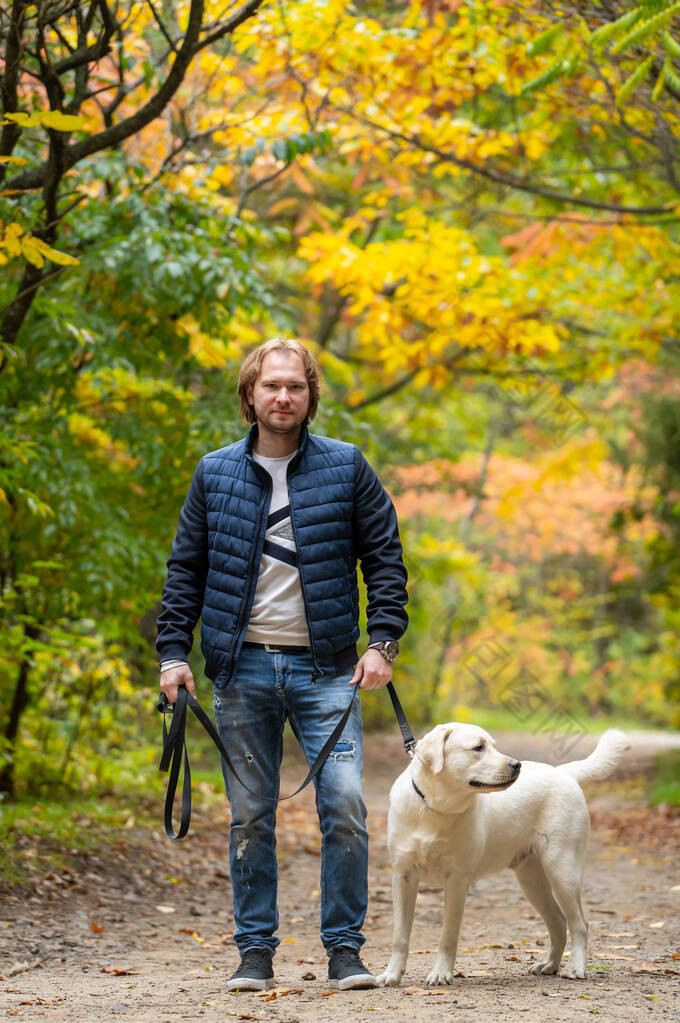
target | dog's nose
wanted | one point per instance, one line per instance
(515, 766)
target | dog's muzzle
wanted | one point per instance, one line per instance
(514, 766)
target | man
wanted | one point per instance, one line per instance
(266, 552)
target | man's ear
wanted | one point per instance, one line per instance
(430, 748)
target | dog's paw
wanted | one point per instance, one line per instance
(437, 977)
(388, 979)
(545, 969)
(573, 973)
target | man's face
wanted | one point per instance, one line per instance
(281, 392)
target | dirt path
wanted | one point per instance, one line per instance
(145, 931)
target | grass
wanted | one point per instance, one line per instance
(50, 832)
(666, 781)
(39, 832)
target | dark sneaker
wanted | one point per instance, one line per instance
(347, 970)
(255, 971)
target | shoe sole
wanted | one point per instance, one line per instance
(359, 980)
(250, 984)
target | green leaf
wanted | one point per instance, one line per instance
(543, 42)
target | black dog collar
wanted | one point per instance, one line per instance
(418, 790)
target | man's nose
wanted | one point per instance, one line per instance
(283, 395)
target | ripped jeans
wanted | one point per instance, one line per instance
(250, 713)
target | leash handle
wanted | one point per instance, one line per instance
(174, 744)
(407, 735)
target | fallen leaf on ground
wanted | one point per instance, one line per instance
(658, 923)
(95, 928)
(118, 971)
(645, 968)
(277, 992)
(612, 955)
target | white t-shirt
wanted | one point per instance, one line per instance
(278, 611)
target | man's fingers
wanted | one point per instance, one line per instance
(358, 674)
(372, 682)
(172, 679)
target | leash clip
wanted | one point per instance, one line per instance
(410, 748)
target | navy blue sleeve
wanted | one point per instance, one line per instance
(182, 599)
(378, 548)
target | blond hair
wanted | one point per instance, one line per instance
(252, 367)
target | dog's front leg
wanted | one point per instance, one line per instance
(455, 890)
(404, 891)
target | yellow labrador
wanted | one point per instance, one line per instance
(535, 821)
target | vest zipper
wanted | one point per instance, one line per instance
(246, 601)
(315, 668)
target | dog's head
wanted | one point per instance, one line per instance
(465, 756)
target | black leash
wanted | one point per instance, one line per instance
(174, 745)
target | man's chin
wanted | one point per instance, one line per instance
(282, 425)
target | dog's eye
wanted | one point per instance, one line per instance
(479, 747)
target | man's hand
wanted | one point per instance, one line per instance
(173, 678)
(372, 672)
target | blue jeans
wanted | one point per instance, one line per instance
(250, 713)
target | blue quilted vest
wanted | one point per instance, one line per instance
(237, 493)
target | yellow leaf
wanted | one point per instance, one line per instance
(62, 122)
(11, 240)
(12, 159)
(36, 251)
(22, 118)
(59, 257)
(32, 252)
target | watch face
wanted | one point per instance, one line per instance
(391, 649)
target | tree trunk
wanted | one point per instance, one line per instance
(19, 703)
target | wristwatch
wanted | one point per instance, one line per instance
(388, 648)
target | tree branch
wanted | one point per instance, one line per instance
(501, 178)
(117, 133)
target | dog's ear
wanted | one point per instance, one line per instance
(430, 749)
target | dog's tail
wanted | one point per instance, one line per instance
(602, 761)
